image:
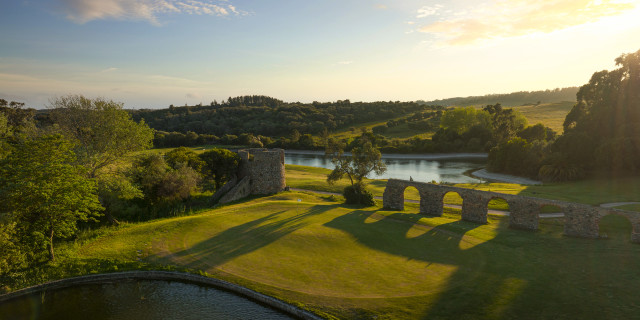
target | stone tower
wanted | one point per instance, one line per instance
(265, 169)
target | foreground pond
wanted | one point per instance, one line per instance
(425, 168)
(136, 300)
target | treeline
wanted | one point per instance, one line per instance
(266, 116)
(601, 132)
(511, 99)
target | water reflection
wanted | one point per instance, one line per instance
(136, 300)
(446, 170)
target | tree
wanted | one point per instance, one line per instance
(102, 130)
(462, 119)
(183, 156)
(537, 132)
(607, 115)
(220, 165)
(159, 182)
(364, 159)
(505, 123)
(45, 193)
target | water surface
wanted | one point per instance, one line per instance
(136, 300)
(437, 169)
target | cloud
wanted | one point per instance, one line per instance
(504, 19)
(110, 69)
(83, 11)
(193, 95)
(344, 63)
(426, 11)
(381, 6)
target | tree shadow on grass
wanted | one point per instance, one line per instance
(390, 234)
(514, 275)
(246, 238)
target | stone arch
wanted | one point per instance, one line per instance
(450, 199)
(608, 222)
(550, 208)
(498, 202)
(409, 193)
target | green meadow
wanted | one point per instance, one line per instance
(348, 262)
(363, 263)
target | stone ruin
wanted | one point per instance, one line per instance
(261, 172)
(580, 220)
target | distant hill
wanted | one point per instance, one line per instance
(522, 98)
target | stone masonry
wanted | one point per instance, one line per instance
(580, 220)
(261, 172)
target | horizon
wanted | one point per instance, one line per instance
(149, 54)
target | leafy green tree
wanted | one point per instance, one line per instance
(537, 132)
(505, 123)
(183, 156)
(516, 156)
(607, 114)
(45, 193)
(102, 130)
(159, 182)
(220, 166)
(364, 159)
(462, 119)
(5, 133)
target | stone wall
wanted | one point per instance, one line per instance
(261, 172)
(265, 167)
(580, 220)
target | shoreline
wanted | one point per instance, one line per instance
(500, 177)
(403, 156)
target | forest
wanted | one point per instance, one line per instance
(261, 115)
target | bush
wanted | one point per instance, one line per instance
(358, 195)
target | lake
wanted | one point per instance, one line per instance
(424, 168)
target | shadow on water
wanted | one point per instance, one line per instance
(516, 274)
(248, 237)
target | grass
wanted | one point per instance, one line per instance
(363, 263)
(550, 114)
(630, 207)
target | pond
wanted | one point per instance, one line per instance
(136, 300)
(424, 168)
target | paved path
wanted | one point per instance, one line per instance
(617, 204)
(494, 212)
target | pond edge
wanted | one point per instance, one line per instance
(166, 276)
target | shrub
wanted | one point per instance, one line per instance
(358, 195)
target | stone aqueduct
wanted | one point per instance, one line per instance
(580, 220)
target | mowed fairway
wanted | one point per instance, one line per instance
(357, 263)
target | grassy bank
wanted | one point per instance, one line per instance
(357, 263)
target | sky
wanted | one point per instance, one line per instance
(153, 53)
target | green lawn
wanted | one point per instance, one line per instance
(364, 263)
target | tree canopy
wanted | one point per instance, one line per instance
(44, 192)
(364, 159)
(608, 114)
(102, 130)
